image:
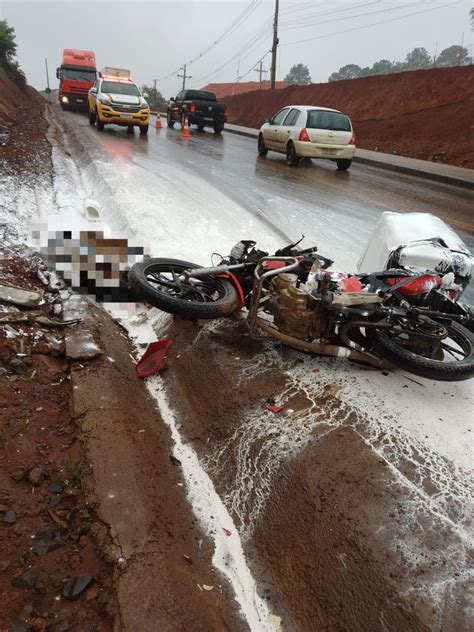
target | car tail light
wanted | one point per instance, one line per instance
(225, 111)
(192, 107)
(304, 136)
(353, 139)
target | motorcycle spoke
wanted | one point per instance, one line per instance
(456, 353)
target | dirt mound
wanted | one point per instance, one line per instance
(424, 114)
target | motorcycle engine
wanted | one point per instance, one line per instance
(295, 313)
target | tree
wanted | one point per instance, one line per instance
(298, 75)
(454, 56)
(7, 42)
(382, 67)
(418, 58)
(155, 98)
(350, 71)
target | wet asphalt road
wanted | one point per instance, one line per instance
(335, 210)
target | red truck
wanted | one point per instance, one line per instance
(76, 74)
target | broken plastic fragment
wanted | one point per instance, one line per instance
(153, 360)
(275, 409)
(174, 460)
(227, 532)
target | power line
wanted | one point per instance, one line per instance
(227, 32)
(365, 26)
(352, 17)
(250, 45)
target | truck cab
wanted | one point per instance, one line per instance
(76, 75)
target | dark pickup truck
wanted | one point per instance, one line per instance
(199, 107)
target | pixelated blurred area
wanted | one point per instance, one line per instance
(89, 262)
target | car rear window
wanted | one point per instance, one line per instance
(323, 119)
(120, 87)
(200, 95)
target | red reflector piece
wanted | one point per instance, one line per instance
(274, 265)
(153, 360)
(192, 107)
(304, 136)
(353, 140)
(275, 409)
(350, 284)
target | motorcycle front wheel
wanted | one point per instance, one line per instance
(447, 356)
(161, 283)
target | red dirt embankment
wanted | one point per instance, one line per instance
(426, 114)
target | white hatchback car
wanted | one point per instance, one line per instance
(309, 131)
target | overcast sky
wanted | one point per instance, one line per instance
(153, 38)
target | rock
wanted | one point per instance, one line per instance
(31, 578)
(36, 476)
(39, 624)
(92, 593)
(18, 474)
(9, 517)
(80, 345)
(55, 488)
(3, 509)
(75, 586)
(41, 347)
(47, 540)
(20, 626)
(4, 566)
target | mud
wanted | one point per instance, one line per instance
(323, 519)
(422, 114)
(162, 557)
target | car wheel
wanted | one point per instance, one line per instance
(343, 165)
(262, 148)
(291, 157)
(200, 127)
(98, 123)
(143, 130)
(218, 128)
(91, 118)
(169, 119)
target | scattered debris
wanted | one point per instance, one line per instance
(174, 460)
(227, 532)
(206, 587)
(153, 360)
(19, 296)
(80, 345)
(36, 475)
(9, 517)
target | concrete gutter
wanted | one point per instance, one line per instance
(447, 174)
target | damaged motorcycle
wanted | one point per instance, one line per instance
(400, 309)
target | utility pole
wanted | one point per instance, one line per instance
(458, 61)
(154, 84)
(48, 89)
(184, 76)
(261, 72)
(274, 46)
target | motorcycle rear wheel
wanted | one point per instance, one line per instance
(161, 283)
(455, 353)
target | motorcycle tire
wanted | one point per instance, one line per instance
(222, 296)
(453, 371)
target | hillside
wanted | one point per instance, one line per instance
(426, 114)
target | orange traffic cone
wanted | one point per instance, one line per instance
(158, 121)
(185, 132)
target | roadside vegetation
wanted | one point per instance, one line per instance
(417, 59)
(8, 65)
